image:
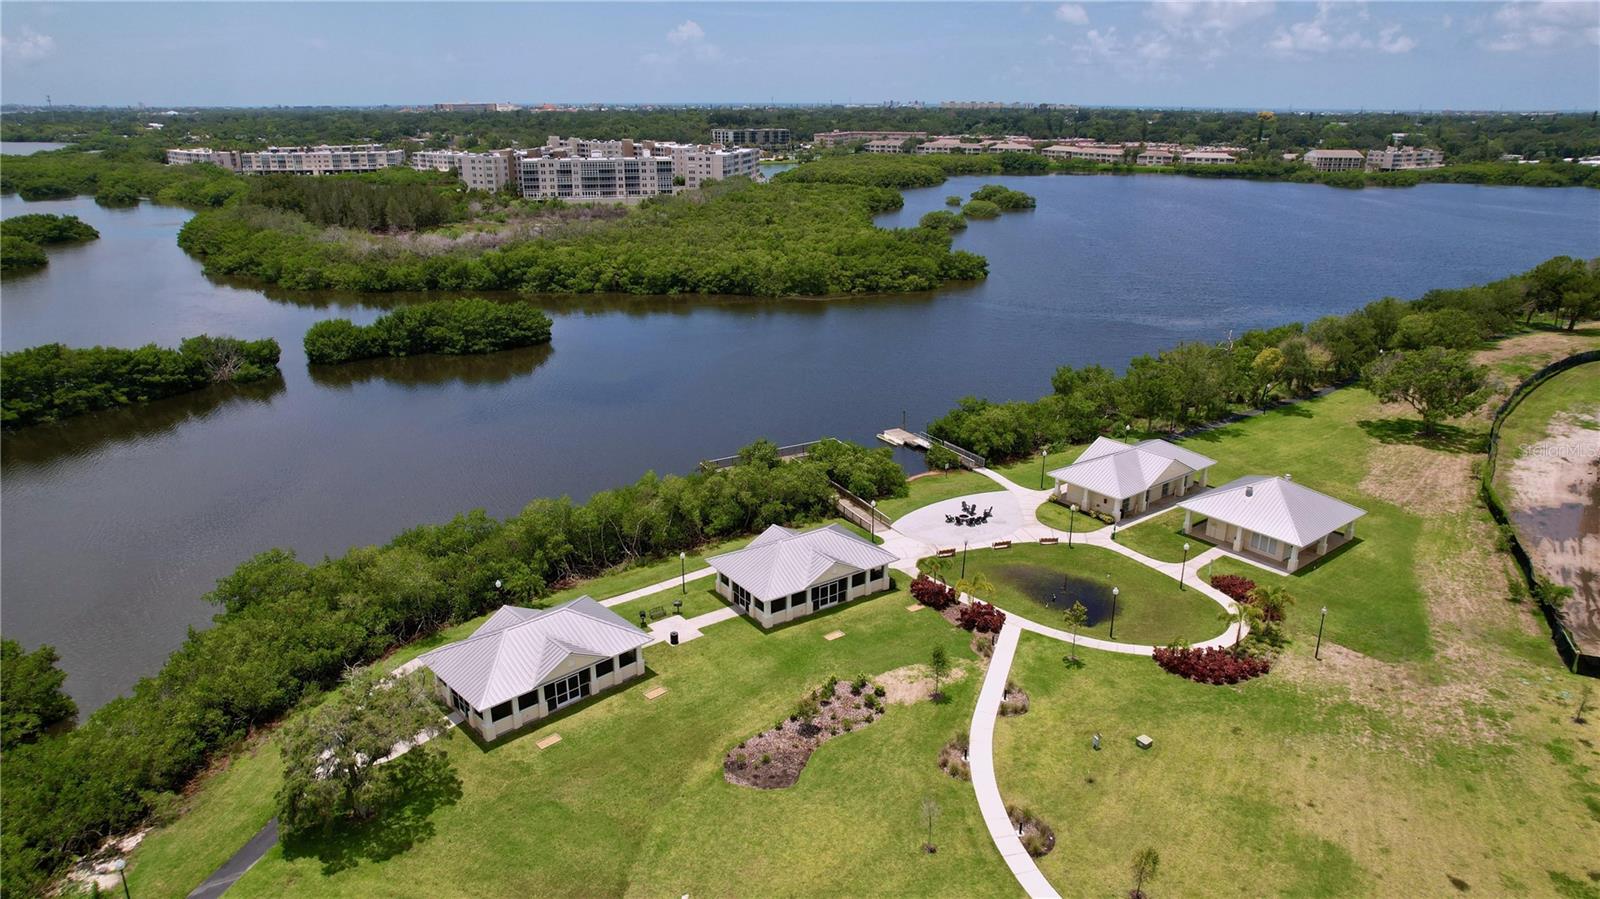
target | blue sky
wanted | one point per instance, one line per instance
(1519, 55)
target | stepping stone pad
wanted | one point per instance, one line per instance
(549, 741)
(1143, 741)
(833, 636)
(655, 692)
(915, 606)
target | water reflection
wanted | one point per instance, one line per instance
(1057, 590)
(41, 446)
(422, 371)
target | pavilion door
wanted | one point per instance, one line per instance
(567, 690)
(824, 595)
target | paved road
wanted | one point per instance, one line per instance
(242, 861)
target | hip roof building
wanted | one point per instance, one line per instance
(524, 664)
(785, 574)
(1119, 479)
(1273, 518)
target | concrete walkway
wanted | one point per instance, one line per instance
(688, 628)
(657, 587)
(241, 862)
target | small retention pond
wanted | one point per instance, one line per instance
(1056, 589)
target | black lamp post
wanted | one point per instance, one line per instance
(1323, 621)
(1044, 452)
(499, 590)
(873, 516)
(963, 559)
(683, 572)
(120, 866)
(1184, 568)
(1072, 522)
(1115, 592)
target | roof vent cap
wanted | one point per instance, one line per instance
(1249, 491)
(1288, 477)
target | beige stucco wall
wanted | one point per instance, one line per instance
(791, 612)
(489, 730)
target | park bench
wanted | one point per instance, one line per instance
(1002, 544)
(947, 553)
(1049, 541)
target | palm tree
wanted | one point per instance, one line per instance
(1241, 615)
(976, 586)
(1273, 600)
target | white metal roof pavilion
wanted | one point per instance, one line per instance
(782, 561)
(517, 649)
(1122, 471)
(1269, 515)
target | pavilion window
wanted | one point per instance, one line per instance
(604, 667)
(503, 710)
(628, 658)
(858, 579)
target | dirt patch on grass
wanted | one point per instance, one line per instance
(914, 683)
(1555, 503)
(1420, 479)
(1541, 347)
(773, 759)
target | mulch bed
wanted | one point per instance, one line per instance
(1015, 700)
(773, 759)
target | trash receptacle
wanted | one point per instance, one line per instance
(673, 638)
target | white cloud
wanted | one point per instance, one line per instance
(1544, 25)
(687, 33)
(1337, 27)
(1072, 14)
(1199, 20)
(28, 47)
(686, 38)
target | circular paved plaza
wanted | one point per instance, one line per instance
(928, 523)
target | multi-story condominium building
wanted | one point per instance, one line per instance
(435, 160)
(1011, 146)
(595, 178)
(950, 146)
(1207, 157)
(1391, 158)
(320, 160)
(884, 145)
(474, 107)
(489, 171)
(697, 165)
(1336, 160)
(1155, 157)
(835, 138)
(1113, 155)
(764, 138)
(578, 146)
(228, 159)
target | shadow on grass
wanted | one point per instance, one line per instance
(420, 782)
(1445, 438)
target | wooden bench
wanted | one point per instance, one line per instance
(1049, 541)
(947, 553)
(1002, 544)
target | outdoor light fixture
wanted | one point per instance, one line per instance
(874, 520)
(683, 572)
(120, 866)
(1182, 569)
(1072, 522)
(1115, 592)
(1324, 620)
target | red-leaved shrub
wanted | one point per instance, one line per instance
(982, 617)
(1210, 666)
(1237, 587)
(932, 593)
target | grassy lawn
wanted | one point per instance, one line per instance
(1282, 789)
(1025, 472)
(1375, 603)
(933, 487)
(218, 819)
(634, 795)
(1151, 608)
(1162, 538)
(701, 598)
(622, 580)
(1061, 518)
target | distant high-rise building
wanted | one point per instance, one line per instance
(1336, 160)
(763, 138)
(1391, 159)
(320, 160)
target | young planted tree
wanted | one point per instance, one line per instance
(1437, 382)
(1145, 864)
(939, 667)
(930, 813)
(976, 587)
(1077, 616)
(1240, 615)
(332, 756)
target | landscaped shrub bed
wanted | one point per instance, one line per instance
(774, 758)
(1210, 666)
(1015, 700)
(982, 617)
(953, 757)
(1037, 837)
(1236, 587)
(932, 593)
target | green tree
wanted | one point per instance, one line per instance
(1076, 616)
(939, 667)
(31, 698)
(1145, 865)
(1265, 370)
(331, 755)
(1436, 382)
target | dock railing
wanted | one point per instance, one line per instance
(791, 451)
(969, 459)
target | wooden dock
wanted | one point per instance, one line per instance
(902, 437)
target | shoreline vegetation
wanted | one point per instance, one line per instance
(24, 237)
(51, 382)
(448, 327)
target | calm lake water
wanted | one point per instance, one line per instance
(27, 148)
(115, 524)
